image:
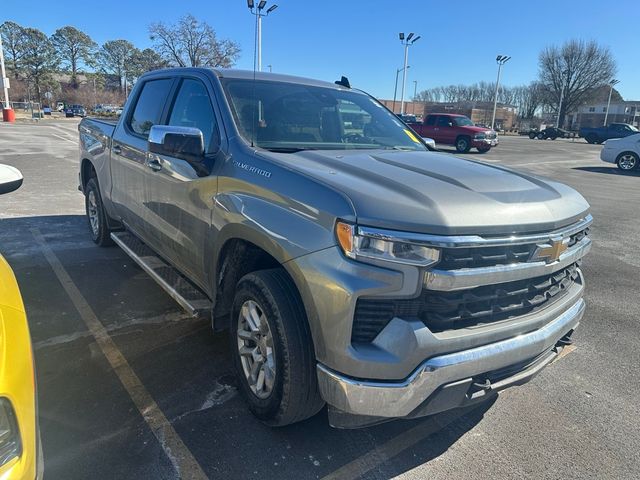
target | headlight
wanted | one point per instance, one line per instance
(360, 246)
(10, 445)
(480, 136)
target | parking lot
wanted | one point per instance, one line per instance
(125, 377)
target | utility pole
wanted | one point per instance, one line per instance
(257, 11)
(564, 73)
(3, 77)
(407, 42)
(395, 89)
(611, 84)
(500, 60)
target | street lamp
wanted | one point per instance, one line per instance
(407, 42)
(395, 89)
(564, 74)
(611, 84)
(500, 60)
(257, 10)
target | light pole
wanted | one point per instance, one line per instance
(257, 11)
(500, 60)
(611, 84)
(3, 77)
(564, 74)
(407, 42)
(395, 89)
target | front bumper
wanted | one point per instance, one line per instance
(460, 370)
(484, 143)
(607, 155)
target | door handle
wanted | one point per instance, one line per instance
(117, 149)
(154, 165)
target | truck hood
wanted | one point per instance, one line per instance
(474, 129)
(436, 193)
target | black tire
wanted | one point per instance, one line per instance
(96, 216)
(553, 138)
(532, 135)
(484, 149)
(627, 161)
(463, 144)
(592, 138)
(294, 395)
(541, 136)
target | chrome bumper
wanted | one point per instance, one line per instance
(399, 399)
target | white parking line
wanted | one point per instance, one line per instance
(383, 453)
(75, 142)
(183, 461)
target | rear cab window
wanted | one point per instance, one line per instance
(147, 111)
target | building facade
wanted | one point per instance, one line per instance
(593, 115)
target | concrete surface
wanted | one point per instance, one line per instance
(578, 419)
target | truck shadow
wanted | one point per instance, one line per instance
(90, 426)
(613, 170)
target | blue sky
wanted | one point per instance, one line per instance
(359, 39)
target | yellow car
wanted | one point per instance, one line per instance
(20, 452)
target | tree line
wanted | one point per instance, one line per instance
(578, 71)
(33, 57)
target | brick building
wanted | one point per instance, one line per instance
(478, 112)
(593, 115)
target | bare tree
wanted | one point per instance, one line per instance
(14, 40)
(575, 69)
(528, 98)
(74, 47)
(142, 61)
(191, 43)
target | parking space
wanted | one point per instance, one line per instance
(147, 392)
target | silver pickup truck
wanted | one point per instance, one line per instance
(349, 265)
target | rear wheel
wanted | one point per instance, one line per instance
(541, 136)
(463, 144)
(627, 161)
(532, 135)
(272, 349)
(97, 217)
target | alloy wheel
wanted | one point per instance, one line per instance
(255, 347)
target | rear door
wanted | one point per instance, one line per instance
(178, 201)
(129, 151)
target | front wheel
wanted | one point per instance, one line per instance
(97, 217)
(463, 145)
(483, 149)
(272, 349)
(627, 161)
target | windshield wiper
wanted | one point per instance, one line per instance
(288, 149)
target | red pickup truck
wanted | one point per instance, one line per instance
(458, 130)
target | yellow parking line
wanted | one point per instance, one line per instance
(382, 453)
(183, 461)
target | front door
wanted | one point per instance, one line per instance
(178, 201)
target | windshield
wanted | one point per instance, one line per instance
(633, 129)
(463, 122)
(289, 117)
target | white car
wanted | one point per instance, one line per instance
(624, 152)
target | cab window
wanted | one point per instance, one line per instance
(149, 105)
(431, 120)
(443, 122)
(192, 108)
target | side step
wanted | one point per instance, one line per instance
(191, 298)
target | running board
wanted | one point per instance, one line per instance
(191, 298)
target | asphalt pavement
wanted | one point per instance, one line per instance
(578, 419)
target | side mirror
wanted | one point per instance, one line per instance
(10, 179)
(180, 142)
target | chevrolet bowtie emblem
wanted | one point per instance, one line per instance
(550, 252)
